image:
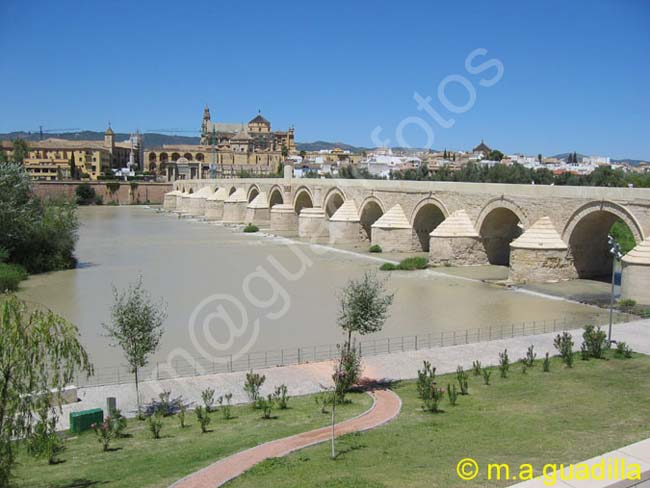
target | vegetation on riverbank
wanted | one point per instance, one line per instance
(37, 234)
(137, 459)
(408, 264)
(565, 415)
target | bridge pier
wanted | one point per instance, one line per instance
(312, 223)
(345, 225)
(283, 218)
(392, 231)
(169, 200)
(635, 283)
(214, 204)
(197, 202)
(540, 255)
(455, 242)
(258, 211)
(234, 208)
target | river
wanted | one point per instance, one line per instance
(228, 292)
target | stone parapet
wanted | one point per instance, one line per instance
(312, 223)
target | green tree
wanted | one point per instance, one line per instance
(495, 155)
(73, 167)
(363, 306)
(136, 326)
(39, 352)
(20, 151)
(285, 151)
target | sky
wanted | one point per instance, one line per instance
(534, 77)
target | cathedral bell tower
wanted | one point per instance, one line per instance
(205, 127)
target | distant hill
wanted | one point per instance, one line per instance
(632, 162)
(566, 155)
(151, 139)
(321, 145)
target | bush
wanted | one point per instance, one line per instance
(627, 304)
(44, 441)
(486, 376)
(207, 396)
(546, 365)
(266, 405)
(462, 378)
(203, 417)
(375, 248)
(165, 405)
(251, 228)
(254, 382)
(595, 341)
(85, 194)
(476, 368)
(504, 363)
(409, 264)
(227, 408)
(389, 267)
(155, 424)
(452, 394)
(564, 344)
(119, 422)
(104, 432)
(181, 416)
(623, 351)
(428, 391)
(529, 360)
(10, 276)
(281, 397)
(324, 399)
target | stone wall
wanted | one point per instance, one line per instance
(153, 193)
(540, 265)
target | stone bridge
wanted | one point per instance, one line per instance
(543, 233)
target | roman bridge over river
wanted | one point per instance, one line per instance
(543, 233)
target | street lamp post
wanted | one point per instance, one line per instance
(615, 251)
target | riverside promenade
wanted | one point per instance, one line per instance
(310, 378)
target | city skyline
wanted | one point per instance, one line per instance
(572, 75)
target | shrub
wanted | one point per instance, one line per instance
(254, 382)
(623, 350)
(627, 304)
(207, 396)
(409, 264)
(486, 376)
(584, 352)
(44, 441)
(546, 365)
(266, 405)
(428, 392)
(323, 399)
(564, 344)
(375, 248)
(388, 267)
(251, 228)
(165, 405)
(281, 397)
(504, 363)
(155, 424)
(529, 360)
(203, 417)
(85, 194)
(119, 422)
(350, 367)
(595, 341)
(524, 368)
(10, 276)
(462, 378)
(104, 432)
(181, 415)
(226, 410)
(476, 368)
(452, 394)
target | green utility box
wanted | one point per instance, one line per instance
(80, 421)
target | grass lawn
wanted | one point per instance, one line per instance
(141, 461)
(567, 415)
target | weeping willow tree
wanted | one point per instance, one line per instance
(40, 353)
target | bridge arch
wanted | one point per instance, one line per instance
(371, 209)
(303, 199)
(332, 201)
(586, 235)
(275, 196)
(253, 191)
(426, 216)
(499, 223)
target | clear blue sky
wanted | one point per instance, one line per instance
(576, 74)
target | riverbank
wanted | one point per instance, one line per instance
(310, 378)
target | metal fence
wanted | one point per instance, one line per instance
(196, 366)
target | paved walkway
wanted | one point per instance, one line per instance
(307, 378)
(385, 407)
